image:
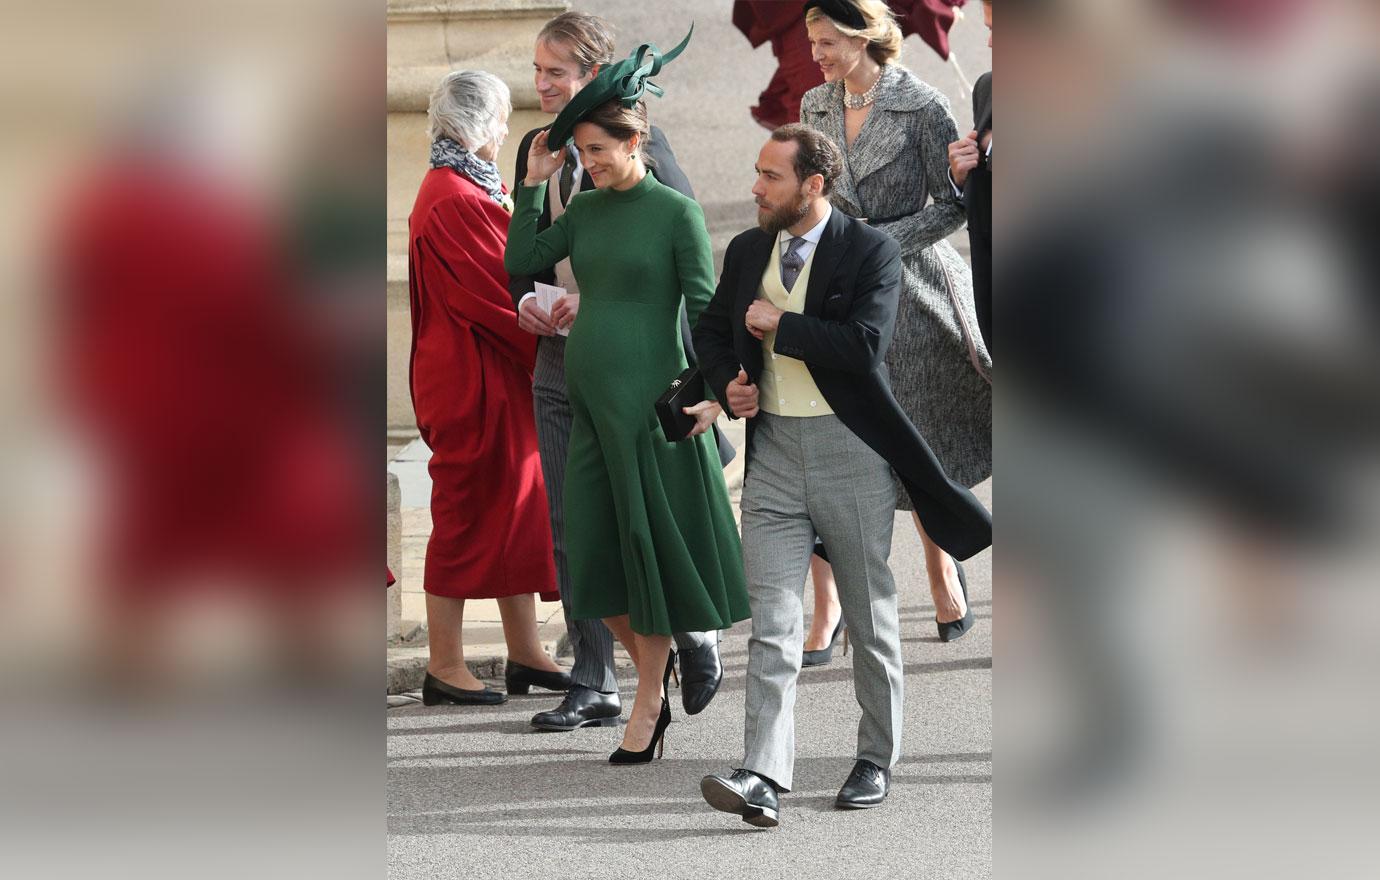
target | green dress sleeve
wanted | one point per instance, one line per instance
(528, 251)
(694, 261)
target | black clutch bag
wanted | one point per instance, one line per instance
(687, 389)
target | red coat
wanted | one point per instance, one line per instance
(202, 388)
(471, 379)
(762, 20)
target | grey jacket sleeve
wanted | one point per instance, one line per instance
(944, 214)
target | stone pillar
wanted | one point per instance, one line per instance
(426, 40)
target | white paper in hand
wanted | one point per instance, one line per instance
(547, 294)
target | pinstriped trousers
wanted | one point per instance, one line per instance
(807, 477)
(590, 640)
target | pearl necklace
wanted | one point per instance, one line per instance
(857, 102)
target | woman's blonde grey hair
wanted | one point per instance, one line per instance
(469, 107)
(882, 33)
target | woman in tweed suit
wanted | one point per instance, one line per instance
(895, 131)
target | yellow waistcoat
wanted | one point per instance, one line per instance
(786, 387)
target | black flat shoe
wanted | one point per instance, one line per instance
(519, 679)
(658, 743)
(746, 794)
(701, 672)
(956, 629)
(582, 707)
(435, 691)
(865, 788)
(824, 656)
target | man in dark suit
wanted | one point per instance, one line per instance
(568, 54)
(970, 172)
(795, 340)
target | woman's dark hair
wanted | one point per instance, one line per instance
(622, 123)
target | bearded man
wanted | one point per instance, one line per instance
(795, 340)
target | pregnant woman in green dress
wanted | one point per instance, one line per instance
(652, 544)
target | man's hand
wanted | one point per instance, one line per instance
(564, 311)
(541, 162)
(742, 396)
(534, 319)
(963, 157)
(705, 412)
(762, 318)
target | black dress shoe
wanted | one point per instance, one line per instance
(746, 794)
(582, 707)
(701, 671)
(519, 679)
(956, 629)
(865, 788)
(436, 691)
(824, 656)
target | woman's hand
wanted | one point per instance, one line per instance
(534, 319)
(564, 311)
(541, 162)
(705, 412)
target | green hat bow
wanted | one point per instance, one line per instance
(625, 81)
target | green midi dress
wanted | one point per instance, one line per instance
(649, 531)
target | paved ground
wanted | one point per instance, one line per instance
(476, 791)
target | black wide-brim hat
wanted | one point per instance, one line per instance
(625, 81)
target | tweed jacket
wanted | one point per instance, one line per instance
(895, 176)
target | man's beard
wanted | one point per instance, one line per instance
(784, 217)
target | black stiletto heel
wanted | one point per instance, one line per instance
(669, 673)
(956, 629)
(658, 743)
(824, 655)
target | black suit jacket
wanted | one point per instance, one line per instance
(977, 199)
(662, 164)
(842, 336)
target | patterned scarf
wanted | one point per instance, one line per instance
(446, 153)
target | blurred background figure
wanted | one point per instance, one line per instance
(189, 612)
(202, 386)
(782, 23)
(1187, 426)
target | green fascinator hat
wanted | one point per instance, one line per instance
(625, 81)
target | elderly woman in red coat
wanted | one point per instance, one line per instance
(471, 379)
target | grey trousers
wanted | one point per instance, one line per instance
(813, 476)
(590, 640)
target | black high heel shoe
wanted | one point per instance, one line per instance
(519, 679)
(825, 655)
(670, 671)
(658, 743)
(956, 629)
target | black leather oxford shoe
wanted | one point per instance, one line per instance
(865, 788)
(581, 707)
(701, 671)
(746, 794)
